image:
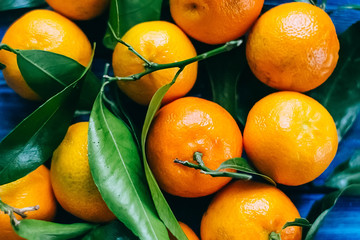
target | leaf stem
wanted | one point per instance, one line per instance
(214, 173)
(152, 67)
(147, 63)
(9, 210)
(323, 4)
(6, 47)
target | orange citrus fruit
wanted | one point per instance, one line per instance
(31, 190)
(41, 30)
(215, 22)
(293, 46)
(290, 137)
(71, 178)
(188, 232)
(159, 42)
(185, 126)
(80, 9)
(248, 210)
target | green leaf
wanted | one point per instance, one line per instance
(11, 4)
(351, 7)
(340, 94)
(233, 84)
(125, 14)
(161, 204)
(116, 104)
(2, 66)
(321, 208)
(43, 230)
(114, 230)
(116, 167)
(224, 72)
(242, 166)
(33, 141)
(299, 222)
(48, 73)
(307, 1)
(346, 173)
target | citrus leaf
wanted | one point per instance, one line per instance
(243, 167)
(346, 173)
(125, 14)
(224, 72)
(161, 204)
(114, 230)
(321, 208)
(233, 84)
(11, 4)
(33, 141)
(299, 222)
(313, 2)
(340, 94)
(350, 6)
(116, 167)
(43, 230)
(48, 73)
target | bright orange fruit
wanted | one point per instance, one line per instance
(185, 126)
(293, 46)
(215, 22)
(31, 190)
(42, 30)
(247, 210)
(159, 42)
(79, 9)
(290, 137)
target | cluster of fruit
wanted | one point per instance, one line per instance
(288, 136)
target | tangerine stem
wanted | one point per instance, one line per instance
(9, 210)
(152, 67)
(6, 47)
(147, 62)
(214, 173)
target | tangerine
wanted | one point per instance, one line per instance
(290, 137)
(80, 9)
(160, 42)
(183, 127)
(31, 190)
(42, 30)
(71, 178)
(293, 47)
(215, 22)
(188, 232)
(248, 210)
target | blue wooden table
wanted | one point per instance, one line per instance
(343, 222)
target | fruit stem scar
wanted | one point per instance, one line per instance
(9, 210)
(214, 173)
(152, 67)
